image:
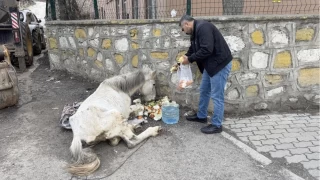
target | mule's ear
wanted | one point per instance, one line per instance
(153, 74)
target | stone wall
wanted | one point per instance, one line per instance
(275, 65)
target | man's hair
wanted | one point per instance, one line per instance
(186, 18)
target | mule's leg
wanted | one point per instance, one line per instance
(134, 126)
(132, 140)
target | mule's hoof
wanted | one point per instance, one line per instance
(156, 130)
(114, 141)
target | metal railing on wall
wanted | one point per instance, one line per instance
(156, 9)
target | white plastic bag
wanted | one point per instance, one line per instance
(185, 77)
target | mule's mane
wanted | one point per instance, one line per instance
(126, 82)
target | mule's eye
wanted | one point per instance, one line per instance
(154, 84)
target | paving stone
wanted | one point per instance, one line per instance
(306, 138)
(256, 143)
(296, 158)
(244, 134)
(274, 136)
(315, 134)
(261, 132)
(269, 124)
(311, 129)
(302, 144)
(315, 117)
(284, 146)
(236, 130)
(287, 118)
(228, 122)
(295, 130)
(282, 126)
(257, 138)
(304, 114)
(314, 172)
(311, 164)
(249, 129)
(315, 156)
(266, 148)
(265, 127)
(261, 117)
(297, 125)
(280, 154)
(258, 120)
(287, 140)
(231, 119)
(291, 134)
(254, 124)
(315, 143)
(235, 126)
(285, 122)
(290, 115)
(242, 121)
(295, 115)
(245, 139)
(314, 121)
(278, 131)
(301, 122)
(313, 124)
(302, 118)
(314, 148)
(275, 116)
(272, 119)
(299, 151)
(270, 141)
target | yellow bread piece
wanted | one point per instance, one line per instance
(180, 59)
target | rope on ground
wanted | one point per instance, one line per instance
(104, 177)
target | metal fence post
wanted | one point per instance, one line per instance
(53, 9)
(96, 11)
(189, 7)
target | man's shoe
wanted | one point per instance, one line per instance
(196, 119)
(211, 129)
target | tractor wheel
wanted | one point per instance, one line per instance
(36, 36)
(27, 44)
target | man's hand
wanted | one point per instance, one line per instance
(185, 60)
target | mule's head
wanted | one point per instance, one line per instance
(148, 90)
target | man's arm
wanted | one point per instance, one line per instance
(190, 50)
(206, 41)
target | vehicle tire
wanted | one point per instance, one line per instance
(37, 41)
(27, 44)
(43, 40)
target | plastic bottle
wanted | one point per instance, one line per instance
(170, 112)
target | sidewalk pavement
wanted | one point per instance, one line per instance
(291, 139)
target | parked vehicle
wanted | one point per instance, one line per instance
(15, 47)
(36, 29)
(15, 35)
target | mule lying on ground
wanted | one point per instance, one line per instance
(103, 116)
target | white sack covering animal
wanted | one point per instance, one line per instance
(103, 116)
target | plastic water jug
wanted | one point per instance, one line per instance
(170, 113)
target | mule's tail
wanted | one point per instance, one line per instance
(86, 162)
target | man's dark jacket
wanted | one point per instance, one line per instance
(208, 48)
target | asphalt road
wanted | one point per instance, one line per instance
(33, 146)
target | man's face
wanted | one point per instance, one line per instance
(187, 27)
